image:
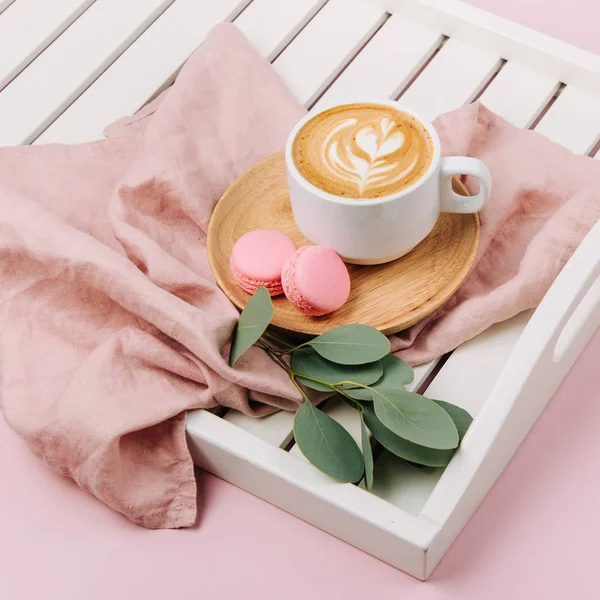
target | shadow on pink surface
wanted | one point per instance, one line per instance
(529, 539)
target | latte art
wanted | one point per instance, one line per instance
(363, 151)
(358, 153)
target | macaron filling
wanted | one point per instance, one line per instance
(250, 285)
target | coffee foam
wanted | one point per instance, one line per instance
(363, 151)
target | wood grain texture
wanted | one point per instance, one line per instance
(389, 297)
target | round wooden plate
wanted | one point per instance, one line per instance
(389, 297)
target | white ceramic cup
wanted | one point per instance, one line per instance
(370, 232)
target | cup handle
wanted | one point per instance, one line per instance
(451, 202)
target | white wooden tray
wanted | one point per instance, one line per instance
(68, 67)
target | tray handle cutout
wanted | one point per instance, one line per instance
(572, 303)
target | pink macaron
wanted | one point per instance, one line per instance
(315, 280)
(257, 259)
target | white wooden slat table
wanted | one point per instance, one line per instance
(61, 73)
(388, 62)
(269, 25)
(458, 71)
(323, 48)
(275, 429)
(81, 68)
(27, 37)
(573, 120)
(5, 4)
(128, 84)
(519, 94)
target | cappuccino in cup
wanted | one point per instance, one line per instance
(363, 151)
(367, 179)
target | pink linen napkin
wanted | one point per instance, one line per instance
(112, 324)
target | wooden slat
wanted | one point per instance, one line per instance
(470, 373)
(324, 47)
(453, 78)
(402, 484)
(269, 25)
(128, 84)
(4, 5)
(519, 94)
(387, 63)
(506, 38)
(276, 429)
(61, 73)
(573, 120)
(31, 26)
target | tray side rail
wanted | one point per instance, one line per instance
(556, 334)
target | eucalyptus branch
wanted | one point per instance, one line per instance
(347, 360)
(297, 384)
(274, 356)
(278, 340)
(291, 349)
(355, 403)
(334, 386)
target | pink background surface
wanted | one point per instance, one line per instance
(533, 536)
(574, 21)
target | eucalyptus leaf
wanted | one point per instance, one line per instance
(327, 445)
(306, 361)
(349, 402)
(351, 345)
(252, 323)
(364, 394)
(413, 453)
(418, 466)
(462, 419)
(367, 453)
(415, 418)
(396, 374)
